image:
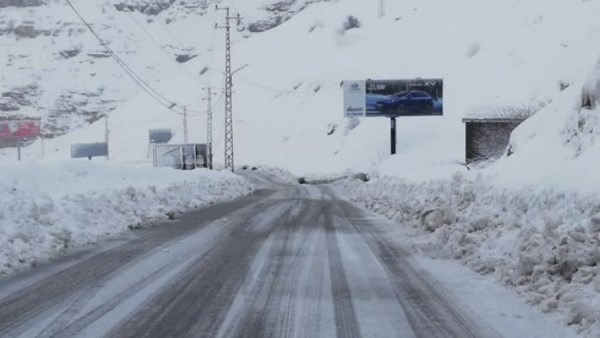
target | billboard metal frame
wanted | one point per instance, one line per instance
(394, 98)
(33, 131)
(160, 136)
(89, 150)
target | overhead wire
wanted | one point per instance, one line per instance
(243, 79)
(278, 90)
(212, 55)
(159, 98)
(158, 44)
(171, 33)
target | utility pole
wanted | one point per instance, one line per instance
(229, 164)
(185, 126)
(209, 129)
(106, 133)
(381, 8)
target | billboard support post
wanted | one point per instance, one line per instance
(106, 135)
(393, 134)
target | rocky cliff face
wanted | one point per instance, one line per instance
(279, 12)
(146, 7)
(56, 70)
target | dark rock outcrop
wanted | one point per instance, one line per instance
(20, 3)
(18, 97)
(154, 7)
(26, 31)
(183, 58)
(280, 12)
(69, 53)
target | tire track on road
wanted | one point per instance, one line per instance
(212, 282)
(430, 314)
(59, 290)
(280, 317)
(269, 310)
(345, 316)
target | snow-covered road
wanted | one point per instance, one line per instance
(288, 261)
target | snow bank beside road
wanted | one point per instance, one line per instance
(545, 243)
(46, 208)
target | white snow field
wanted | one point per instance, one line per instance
(529, 219)
(500, 53)
(47, 208)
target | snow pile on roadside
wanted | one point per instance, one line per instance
(278, 175)
(543, 242)
(47, 208)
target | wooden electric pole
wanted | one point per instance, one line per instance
(185, 126)
(209, 128)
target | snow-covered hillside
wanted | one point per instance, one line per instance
(539, 54)
(288, 100)
(539, 241)
(55, 68)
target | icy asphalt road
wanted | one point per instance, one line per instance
(289, 261)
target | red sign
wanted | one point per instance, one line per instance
(19, 128)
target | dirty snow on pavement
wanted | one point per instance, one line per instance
(51, 207)
(544, 243)
(501, 309)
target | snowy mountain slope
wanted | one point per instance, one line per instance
(288, 113)
(525, 51)
(55, 69)
(504, 53)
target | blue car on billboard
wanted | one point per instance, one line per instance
(412, 102)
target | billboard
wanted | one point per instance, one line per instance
(394, 98)
(160, 135)
(89, 150)
(19, 128)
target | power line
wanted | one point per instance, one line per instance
(259, 85)
(136, 78)
(278, 90)
(171, 33)
(212, 55)
(158, 44)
